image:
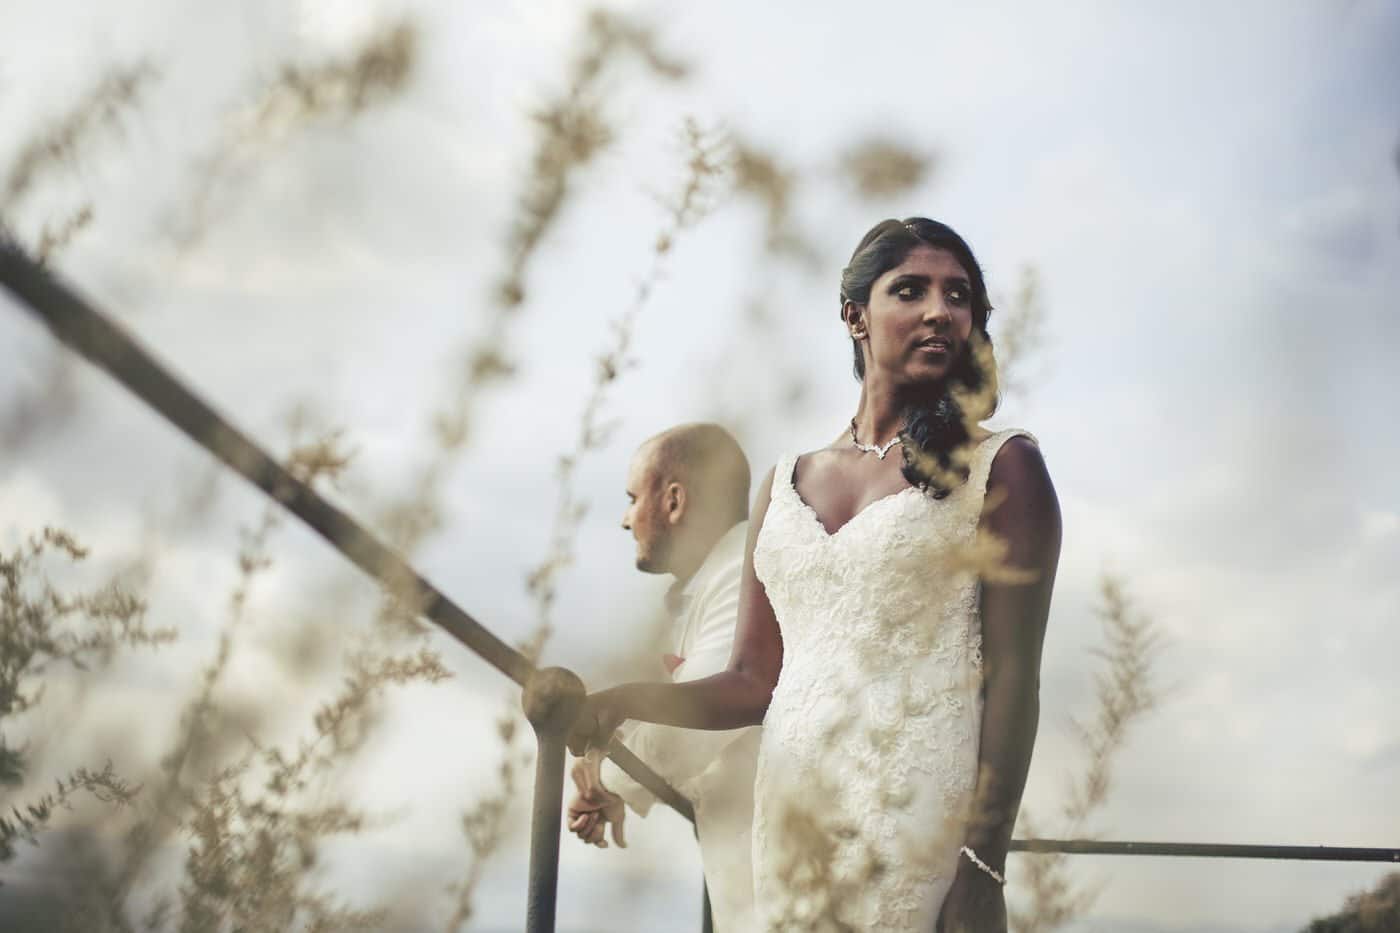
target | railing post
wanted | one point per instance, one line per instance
(551, 699)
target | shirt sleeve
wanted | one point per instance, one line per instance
(681, 755)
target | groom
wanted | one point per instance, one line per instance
(688, 493)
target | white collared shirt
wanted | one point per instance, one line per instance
(703, 635)
(714, 770)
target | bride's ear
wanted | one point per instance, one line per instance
(854, 317)
(673, 502)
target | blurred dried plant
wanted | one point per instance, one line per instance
(706, 173)
(872, 167)
(25, 824)
(1126, 690)
(1373, 911)
(821, 886)
(256, 827)
(1020, 332)
(572, 130)
(299, 97)
(60, 143)
(39, 629)
(322, 459)
(483, 823)
(52, 239)
(878, 167)
(772, 184)
(761, 175)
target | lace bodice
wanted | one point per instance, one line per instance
(874, 723)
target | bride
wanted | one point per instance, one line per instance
(891, 617)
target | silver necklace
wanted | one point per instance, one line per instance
(871, 448)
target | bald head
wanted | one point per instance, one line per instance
(707, 461)
(687, 486)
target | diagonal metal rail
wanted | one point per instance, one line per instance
(105, 343)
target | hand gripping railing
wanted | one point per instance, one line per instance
(551, 696)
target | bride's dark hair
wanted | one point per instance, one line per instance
(936, 427)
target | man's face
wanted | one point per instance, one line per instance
(647, 516)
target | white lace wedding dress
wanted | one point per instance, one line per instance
(868, 758)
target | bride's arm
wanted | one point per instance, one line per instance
(735, 697)
(1014, 614)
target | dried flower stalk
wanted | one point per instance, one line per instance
(299, 97)
(1126, 690)
(41, 628)
(61, 142)
(878, 167)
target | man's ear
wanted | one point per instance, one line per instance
(674, 503)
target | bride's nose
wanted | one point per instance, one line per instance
(937, 312)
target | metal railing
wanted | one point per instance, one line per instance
(551, 696)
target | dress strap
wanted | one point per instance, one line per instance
(782, 475)
(986, 452)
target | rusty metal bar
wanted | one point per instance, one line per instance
(551, 701)
(658, 787)
(1207, 850)
(107, 345)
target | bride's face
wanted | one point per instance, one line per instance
(919, 319)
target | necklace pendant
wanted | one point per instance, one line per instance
(872, 448)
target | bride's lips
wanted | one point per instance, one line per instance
(935, 345)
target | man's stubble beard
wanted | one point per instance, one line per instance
(657, 557)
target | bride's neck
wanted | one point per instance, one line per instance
(879, 414)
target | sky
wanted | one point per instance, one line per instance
(1209, 197)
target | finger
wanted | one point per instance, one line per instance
(618, 836)
(589, 832)
(580, 804)
(595, 833)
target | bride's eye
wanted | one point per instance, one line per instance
(909, 293)
(957, 296)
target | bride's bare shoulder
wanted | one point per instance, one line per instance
(824, 460)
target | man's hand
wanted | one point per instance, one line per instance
(594, 806)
